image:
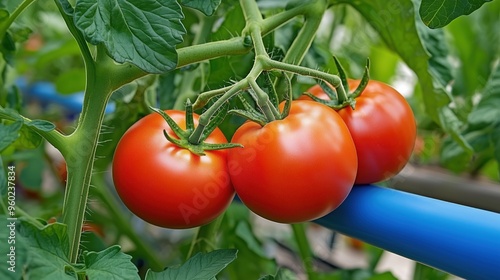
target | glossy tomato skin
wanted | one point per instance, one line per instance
(166, 185)
(285, 172)
(383, 128)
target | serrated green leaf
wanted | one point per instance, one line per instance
(207, 7)
(414, 54)
(439, 64)
(481, 132)
(47, 258)
(436, 14)
(486, 112)
(142, 32)
(202, 266)
(111, 264)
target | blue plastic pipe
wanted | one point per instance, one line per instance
(460, 240)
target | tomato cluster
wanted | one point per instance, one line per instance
(291, 170)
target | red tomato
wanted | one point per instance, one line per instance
(167, 185)
(285, 172)
(383, 128)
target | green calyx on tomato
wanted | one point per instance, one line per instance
(183, 139)
(341, 98)
(270, 111)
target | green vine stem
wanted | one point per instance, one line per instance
(204, 97)
(80, 159)
(4, 25)
(299, 234)
(205, 238)
(295, 54)
(304, 71)
(207, 115)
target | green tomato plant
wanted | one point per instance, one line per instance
(142, 54)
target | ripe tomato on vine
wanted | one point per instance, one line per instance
(167, 185)
(382, 126)
(296, 169)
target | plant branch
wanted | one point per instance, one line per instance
(299, 234)
(54, 137)
(77, 34)
(7, 23)
(197, 53)
(204, 97)
(305, 71)
(207, 115)
(305, 37)
(275, 21)
(262, 100)
(80, 159)
(205, 238)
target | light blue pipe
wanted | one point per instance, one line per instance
(460, 240)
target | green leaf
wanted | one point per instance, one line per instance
(202, 266)
(42, 125)
(282, 274)
(481, 132)
(246, 234)
(434, 42)
(142, 32)
(13, 249)
(9, 133)
(3, 179)
(17, 134)
(47, 258)
(414, 54)
(31, 175)
(486, 112)
(436, 14)
(110, 263)
(475, 46)
(207, 7)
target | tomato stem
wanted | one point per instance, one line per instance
(300, 236)
(263, 101)
(204, 97)
(304, 71)
(205, 238)
(5, 24)
(204, 119)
